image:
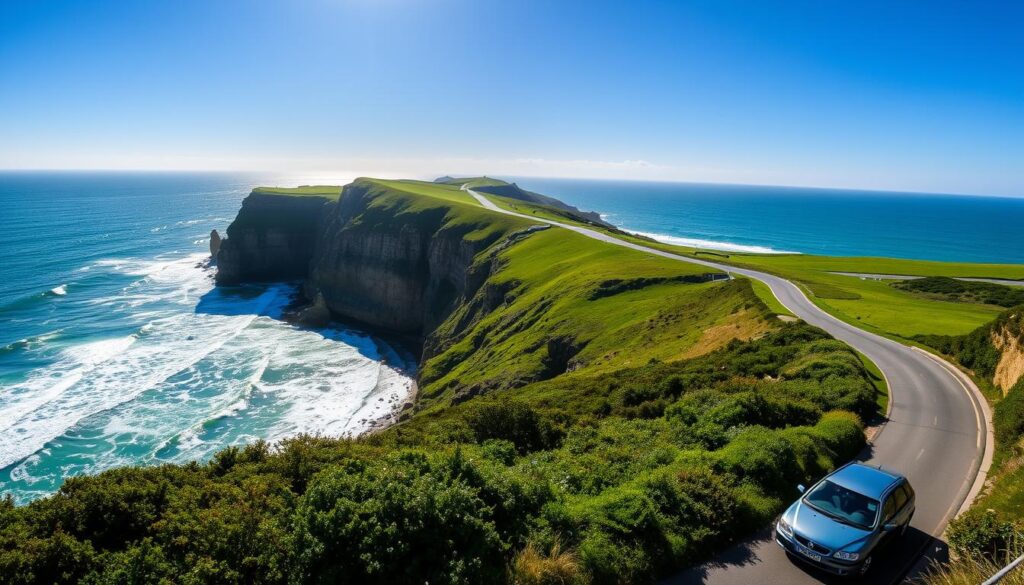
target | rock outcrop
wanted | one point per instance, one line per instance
(214, 244)
(315, 314)
(1009, 340)
(272, 238)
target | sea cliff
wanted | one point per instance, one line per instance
(380, 264)
(492, 301)
(271, 238)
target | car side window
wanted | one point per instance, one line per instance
(890, 508)
(900, 496)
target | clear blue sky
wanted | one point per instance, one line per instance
(925, 96)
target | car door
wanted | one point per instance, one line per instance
(904, 503)
(890, 513)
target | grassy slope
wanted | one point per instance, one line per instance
(871, 304)
(474, 182)
(876, 304)
(548, 281)
(330, 191)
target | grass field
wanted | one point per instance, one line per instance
(329, 191)
(767, 297)
(875, 304)
(473, 182)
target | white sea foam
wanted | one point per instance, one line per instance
(60, 290)
(18, 400)
(203, 370)
(710, 245)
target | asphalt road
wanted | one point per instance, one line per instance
(936, 434)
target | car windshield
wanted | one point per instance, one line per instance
(842, 504)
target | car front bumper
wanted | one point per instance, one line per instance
(823, 562)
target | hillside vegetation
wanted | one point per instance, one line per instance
(588, 414)
(873, 304)
(613, 478)
(951, 289)
(991, 533)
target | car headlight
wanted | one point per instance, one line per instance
(784, 528)
(846, 556)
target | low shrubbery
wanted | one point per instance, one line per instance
(613, 479)
(951, 289)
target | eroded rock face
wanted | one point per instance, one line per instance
(401, 272)
(1010, 368)
(271, 238)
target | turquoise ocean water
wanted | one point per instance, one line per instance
(116, 348)
(810, 221)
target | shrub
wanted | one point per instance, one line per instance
(987, 533)
(842, 432)
(558, 566)
(1008, 417)
(763, 457)
(512, 421)
(398, 521)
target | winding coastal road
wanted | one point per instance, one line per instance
(936, 433)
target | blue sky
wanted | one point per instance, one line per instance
(923, 96)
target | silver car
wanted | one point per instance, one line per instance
(840, 522)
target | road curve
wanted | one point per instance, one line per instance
(936, 434)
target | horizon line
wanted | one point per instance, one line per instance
(498, 176)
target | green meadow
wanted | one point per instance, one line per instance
(329, 191)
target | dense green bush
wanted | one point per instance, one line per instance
(512, 421)
(410, 519)
(984, 533)
(1008, 417)
(963, 291)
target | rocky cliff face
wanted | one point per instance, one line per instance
(1009, 340)
(365, 260)
(403, 272)
(272, 238)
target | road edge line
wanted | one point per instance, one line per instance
(983, 413)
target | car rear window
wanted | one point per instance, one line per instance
(843, 504)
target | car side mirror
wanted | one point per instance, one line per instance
(800, 488)
(889, 527)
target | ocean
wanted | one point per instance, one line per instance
(116, 348)
(830, 222)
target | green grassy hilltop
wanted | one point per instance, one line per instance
(897, 309)
(588, 414)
